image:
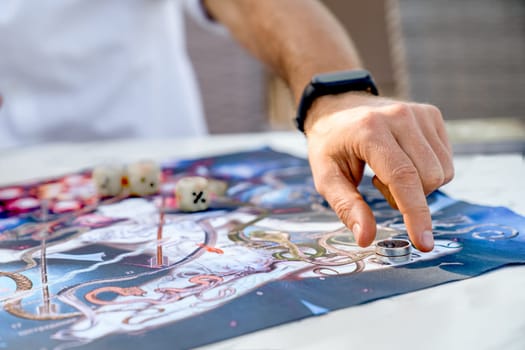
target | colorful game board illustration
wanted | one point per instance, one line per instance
(81, 271)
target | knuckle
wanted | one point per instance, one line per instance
(401, 110)
(433, 110)
(433, 182)
(449, 174)
(369, 129)
(369, 121)
(342, 207)
(428, 188)
(405, 174)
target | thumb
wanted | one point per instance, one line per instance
(348, 204)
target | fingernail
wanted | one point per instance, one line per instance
(428, 239)
(356, 230)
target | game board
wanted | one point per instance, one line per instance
(80, 271)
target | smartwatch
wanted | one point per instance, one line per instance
(332, 84)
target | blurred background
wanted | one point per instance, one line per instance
(467, 57)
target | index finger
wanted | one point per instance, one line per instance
(394, 168)
(406, 188)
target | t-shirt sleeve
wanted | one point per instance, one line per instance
(199, 13)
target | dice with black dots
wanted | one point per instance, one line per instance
(192, 193)
(138, 179)
(108, 179)
(143, 178)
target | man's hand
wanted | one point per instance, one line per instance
(404, 143)
(406, 146)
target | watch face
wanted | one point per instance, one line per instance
(338, 77)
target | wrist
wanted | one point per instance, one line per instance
(328, 105)
(333, 83)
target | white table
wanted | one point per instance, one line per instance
(486, 312)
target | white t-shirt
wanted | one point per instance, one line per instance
(76, 70)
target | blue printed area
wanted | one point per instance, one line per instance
(478, 238)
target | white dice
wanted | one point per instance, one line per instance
(217, 188)
(192, 193)
(108, 179)
(143, 178)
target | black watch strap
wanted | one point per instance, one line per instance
(332, 84)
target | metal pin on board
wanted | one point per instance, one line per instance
(393, 250)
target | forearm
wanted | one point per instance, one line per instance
(296, 38)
